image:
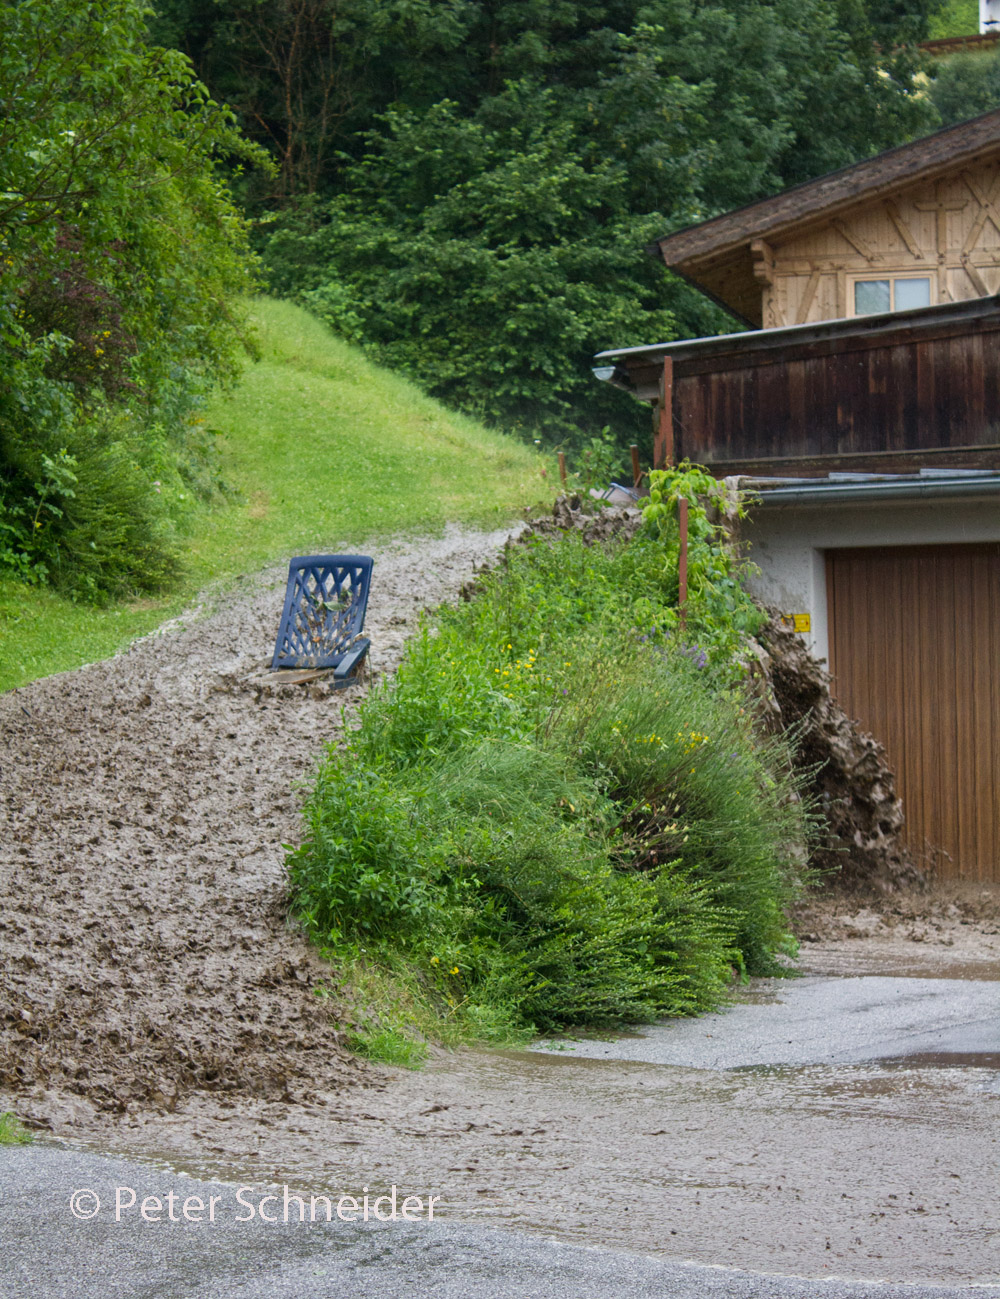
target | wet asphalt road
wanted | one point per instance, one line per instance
(47, 1254)
(823, 1021)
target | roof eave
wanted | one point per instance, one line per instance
(822, 205)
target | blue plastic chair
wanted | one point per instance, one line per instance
(324, 614)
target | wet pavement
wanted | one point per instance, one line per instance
(117, 1254)
(752, 1143)
(816, 1020)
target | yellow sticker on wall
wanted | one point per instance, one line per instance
(801, 622)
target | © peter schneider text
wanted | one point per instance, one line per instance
(244, 1204)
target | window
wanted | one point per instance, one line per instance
(898, 293)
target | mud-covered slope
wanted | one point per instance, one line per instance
(144, 945)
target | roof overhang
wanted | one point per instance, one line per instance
(638, 369)
(719, 255)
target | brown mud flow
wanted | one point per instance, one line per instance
(144, 949)
(156, 1003)
(865, 1171)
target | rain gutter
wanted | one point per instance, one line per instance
(838, 493)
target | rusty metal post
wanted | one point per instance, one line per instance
(682, 561)
(562, 467)
(636, 471)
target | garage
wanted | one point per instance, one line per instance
(914, 649)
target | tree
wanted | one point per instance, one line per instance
(965, 86)
(308, 78)
(121, 254)
(491, 252)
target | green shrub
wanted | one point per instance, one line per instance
(557, 814)
(122, 258)
(966, 85)
(694, 784)
(94, 507)
(504, 891)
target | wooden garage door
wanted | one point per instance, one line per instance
(915, 654)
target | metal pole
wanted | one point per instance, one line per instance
(682, 561)
(636, 471)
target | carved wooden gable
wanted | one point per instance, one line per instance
(916, 226)
(932, 243)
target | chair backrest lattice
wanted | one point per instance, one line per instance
(324, 610)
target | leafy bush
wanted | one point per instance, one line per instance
(121, 258)
(94, 509)
(554, 815)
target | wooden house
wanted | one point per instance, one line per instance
(862, 408)
(914, 227)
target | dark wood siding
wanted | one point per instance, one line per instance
(889, 401)
(915, 655)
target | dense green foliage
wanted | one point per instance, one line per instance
(310, 77)
(466, 187)
(954, 18)
(966, 85)
(560, 812)
(463, 187)
(490, 242)
(120, 254)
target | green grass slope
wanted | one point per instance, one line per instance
(325, 451)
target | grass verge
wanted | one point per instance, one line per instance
(12, 1130)
(322, 451)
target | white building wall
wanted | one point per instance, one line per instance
(787, 543)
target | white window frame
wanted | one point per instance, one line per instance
(892, 277)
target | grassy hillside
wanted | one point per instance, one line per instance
(324, 451)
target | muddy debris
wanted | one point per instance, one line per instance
(145, 947)
(598, 523)
(146, 953)
(860, 846)
(949, 920)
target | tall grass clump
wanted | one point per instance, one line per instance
(12, 1130)
(561, 812)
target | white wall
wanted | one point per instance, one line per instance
(989, 15)
(787, 544)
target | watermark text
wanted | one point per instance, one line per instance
(245, 1204)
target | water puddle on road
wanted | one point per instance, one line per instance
(944, 1060)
